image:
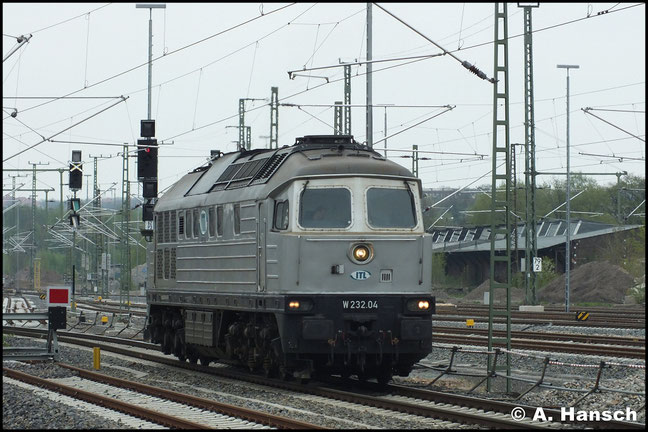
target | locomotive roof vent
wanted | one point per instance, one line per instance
(339, 142)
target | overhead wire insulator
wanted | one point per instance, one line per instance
(477, 72)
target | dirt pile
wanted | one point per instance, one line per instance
(596, 281)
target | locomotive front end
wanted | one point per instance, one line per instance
(358, 267)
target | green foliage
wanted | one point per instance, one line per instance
(439, 277)
(638, 292)
(614, 201)
(547, 274)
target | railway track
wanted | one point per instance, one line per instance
(599, 317)
(448, 407)
(548, 346)
(165, 407)
(553, 336)
(542, 320)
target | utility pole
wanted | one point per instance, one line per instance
(150, 7)
(347, 99)
(34, 244)
(568, 229)
(337, 118)
(369, 76)
(126, 265)
(531, 236)
(98, 249)
(274, 117)
(415, 159)
(245, 132)
(13, 197)
(501, 149)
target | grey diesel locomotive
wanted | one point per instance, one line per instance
(307, 258)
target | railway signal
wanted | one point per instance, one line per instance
(147, 173)
(76, 171)
(147, 158)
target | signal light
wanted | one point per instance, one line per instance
(147, 155)
(147, 128)
(76, 171)
(149, 188)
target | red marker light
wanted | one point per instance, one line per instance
(147, 149)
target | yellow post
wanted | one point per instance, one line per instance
(96, 357)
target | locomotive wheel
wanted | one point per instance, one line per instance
(167, 343)
(204, 361)
(179, 348)
(191, 355)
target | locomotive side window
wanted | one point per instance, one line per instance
(189, 228)
(219, 221)
(196, 224)
(390, 208)
(212, 222)
(237, 219)
(203, 222)
(281, 215)
(325, 208)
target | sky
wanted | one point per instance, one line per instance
(66, 84)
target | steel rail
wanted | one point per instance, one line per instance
(114, 404)
(609, 351)
(591, 339)
(206, 404)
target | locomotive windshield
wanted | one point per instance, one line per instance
(390, 208)
(325, 208)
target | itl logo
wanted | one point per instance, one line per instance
(360, 275)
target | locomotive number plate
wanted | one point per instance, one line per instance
(359, 304)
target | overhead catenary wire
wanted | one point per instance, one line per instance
(169, 53)
(68, 128)
(464, 63)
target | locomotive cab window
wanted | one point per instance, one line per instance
(281, 215)
(325, 208)
(390, 208)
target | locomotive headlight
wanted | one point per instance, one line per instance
(361, 253)
(299, 305)
(418, 305)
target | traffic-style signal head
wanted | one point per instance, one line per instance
(147, 128)
(76, 171)
(75, 204)
(149, 188)
(147, 154)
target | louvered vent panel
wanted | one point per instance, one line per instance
(173, 227)
(159, 226)
(172, 274)
(158, 264)
(167, 266)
